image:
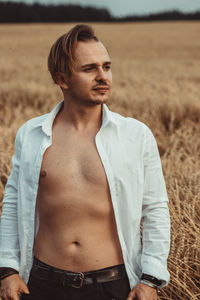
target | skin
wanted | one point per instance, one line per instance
(142, 292)
(77, 174)
(12, 286)
(68, 186)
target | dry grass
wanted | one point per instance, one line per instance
(156, 69)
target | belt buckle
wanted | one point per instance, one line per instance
(81, 281)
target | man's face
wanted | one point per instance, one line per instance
(91, 80)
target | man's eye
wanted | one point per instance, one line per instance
(107, 67)
(88, 69)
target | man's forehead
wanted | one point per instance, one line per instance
(91, 52)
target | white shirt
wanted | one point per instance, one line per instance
(131, 160)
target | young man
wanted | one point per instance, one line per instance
(82, 180)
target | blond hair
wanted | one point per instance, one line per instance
(61, 56)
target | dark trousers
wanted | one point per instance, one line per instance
(48, 290)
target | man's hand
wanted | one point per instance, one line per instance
(142, 292)
(12, 286)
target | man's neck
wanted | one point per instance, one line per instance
(81, 117)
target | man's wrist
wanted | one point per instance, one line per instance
(153, 280)
(150, 284)
(5, 272)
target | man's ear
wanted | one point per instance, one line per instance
(61, 80)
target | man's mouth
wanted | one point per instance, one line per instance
(101, 88)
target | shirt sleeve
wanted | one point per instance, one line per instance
(9, 239)
(155, 214)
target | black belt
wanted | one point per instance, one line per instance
(76, 279)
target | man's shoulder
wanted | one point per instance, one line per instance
(129, 123)
(32, 123)
(37, 121)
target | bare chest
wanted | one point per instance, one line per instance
(71, 177)
(72, 161)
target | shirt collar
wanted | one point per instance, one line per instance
(106, 116)
(48, 122)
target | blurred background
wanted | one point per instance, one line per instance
(155, 51)
(97, 11)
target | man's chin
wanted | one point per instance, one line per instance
(97, 101)
(101, 100)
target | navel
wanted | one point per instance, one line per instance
(76, 243)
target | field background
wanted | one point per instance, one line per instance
(156, 70)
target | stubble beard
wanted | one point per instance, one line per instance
(90, 101)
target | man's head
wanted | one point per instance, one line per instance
(80, 65)
(62, 54)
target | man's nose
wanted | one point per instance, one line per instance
(101, 75)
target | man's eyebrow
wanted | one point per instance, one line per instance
(95, 64)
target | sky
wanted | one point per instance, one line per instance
(130, 7)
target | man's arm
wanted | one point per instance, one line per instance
(155, 215)
(12, 285)
(9, 239)
(156, 225)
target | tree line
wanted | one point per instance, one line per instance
(12, 12)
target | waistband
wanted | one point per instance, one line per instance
(44, 271)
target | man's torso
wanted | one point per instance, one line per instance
(77, 224)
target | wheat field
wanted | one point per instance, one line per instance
(156, 72)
